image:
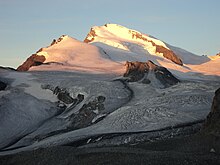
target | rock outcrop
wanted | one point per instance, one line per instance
(89, 113)
(65, 97)
(33, 60)
(167, 53)
(90, 36)
(148, 72)
(212, 123)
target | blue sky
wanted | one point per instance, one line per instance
(27, 25)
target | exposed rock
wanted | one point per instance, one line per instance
(146, 81)
(33, 60)
(101, 99)
(141, 71)
(90, 36)
(62, 94)
(76, 101)
(89, 113)
(167, 53)
(40, 50)
(53, 42)
(56, 90)
(165, 76)
(136, 70)
(58, 40)
(212, 123)
(2, 85)
(80, 97)
(65, 97)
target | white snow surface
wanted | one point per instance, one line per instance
(77, 55)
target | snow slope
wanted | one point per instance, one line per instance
(75, 55)
(24, 106)
(116, 36)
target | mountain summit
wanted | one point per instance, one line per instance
(122, 37)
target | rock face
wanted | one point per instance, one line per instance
(2, 85)
(65, 97)
(212, 123)
(90, 36)
(148, 72)
(167, 53)
(33, 60)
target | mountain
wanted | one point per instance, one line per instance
(118, 87)
(107, 48)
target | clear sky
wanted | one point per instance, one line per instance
(27, 25)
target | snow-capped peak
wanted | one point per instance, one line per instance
(118, 31)
(130, 40)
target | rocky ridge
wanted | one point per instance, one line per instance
(33, 60)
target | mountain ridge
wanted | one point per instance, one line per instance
(107, 48)
(160, 47)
